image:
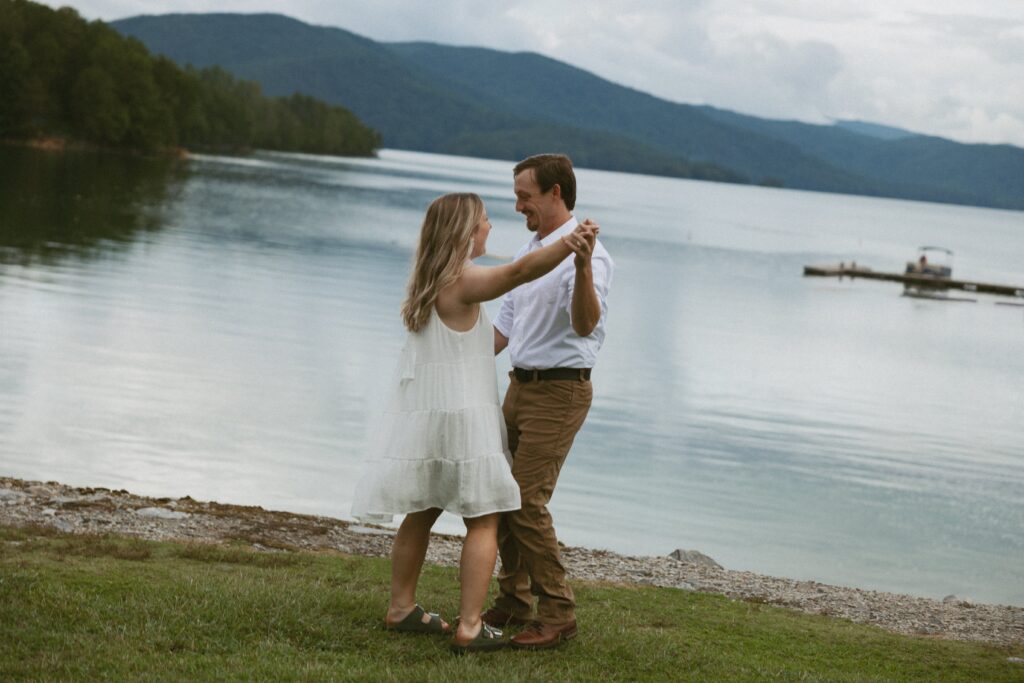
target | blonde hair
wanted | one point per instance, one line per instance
(446, 240)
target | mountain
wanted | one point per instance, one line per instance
(874, 130)
(571, 96)
(379, 86)
(483, 102)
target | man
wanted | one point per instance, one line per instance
(553, 328)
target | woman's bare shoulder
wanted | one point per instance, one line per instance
(452, 308)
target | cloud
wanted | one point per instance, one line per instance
(781, 79)
(942, 75)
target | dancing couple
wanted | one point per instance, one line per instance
(446, 443)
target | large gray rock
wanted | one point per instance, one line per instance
(694, 557)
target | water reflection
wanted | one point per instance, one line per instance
(57, 203)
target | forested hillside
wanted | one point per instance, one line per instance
(65, 77)
(412, 108)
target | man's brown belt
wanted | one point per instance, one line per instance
(581, 374)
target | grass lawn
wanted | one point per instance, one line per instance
(110, 608)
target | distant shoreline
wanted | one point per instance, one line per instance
(63, 144)
(102, 511)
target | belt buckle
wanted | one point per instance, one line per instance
(526, 375)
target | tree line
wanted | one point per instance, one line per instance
(63, 76)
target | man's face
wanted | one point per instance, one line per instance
(531, 202)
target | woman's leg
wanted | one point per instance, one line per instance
(479, 553)
(407, 553)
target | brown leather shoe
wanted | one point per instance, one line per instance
(538, 636)
(499, 618)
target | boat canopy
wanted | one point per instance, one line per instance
(942, 249)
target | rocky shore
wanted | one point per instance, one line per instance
(101, 511)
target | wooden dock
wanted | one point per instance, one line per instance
(912, 280)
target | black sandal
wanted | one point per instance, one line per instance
(413, 623)
(488, 640)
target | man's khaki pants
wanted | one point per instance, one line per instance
(542, 417)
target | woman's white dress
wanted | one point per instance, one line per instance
(442, 441)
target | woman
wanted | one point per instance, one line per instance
(443, 444)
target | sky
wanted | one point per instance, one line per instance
(953, 68)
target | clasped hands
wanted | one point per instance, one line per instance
(582, 240)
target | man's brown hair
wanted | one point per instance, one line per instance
(550, 170)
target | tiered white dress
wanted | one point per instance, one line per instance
(442, 441)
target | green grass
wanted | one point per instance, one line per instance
(110, 608)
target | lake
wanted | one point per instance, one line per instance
(222, 328)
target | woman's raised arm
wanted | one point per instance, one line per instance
(484, 283)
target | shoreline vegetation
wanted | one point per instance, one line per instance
(73, 84)
(60, 144)
(99, 513)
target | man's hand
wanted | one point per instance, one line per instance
(500, 342)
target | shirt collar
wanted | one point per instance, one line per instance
(559, 232)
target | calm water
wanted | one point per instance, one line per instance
(222, 328)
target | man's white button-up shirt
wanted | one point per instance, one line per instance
(537, 316)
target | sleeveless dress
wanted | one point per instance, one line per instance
(441, 442)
